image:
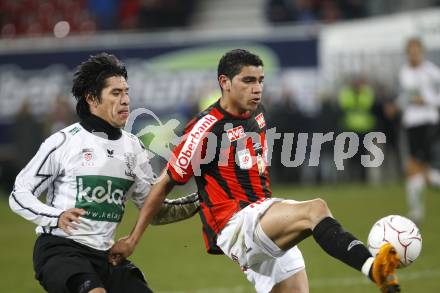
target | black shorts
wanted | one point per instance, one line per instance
(57, 260)
(421, 138)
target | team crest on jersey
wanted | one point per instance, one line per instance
(261, 165)
(244, 159)
(260, 120)
(236, 133)
(130, 163)
(88, 156)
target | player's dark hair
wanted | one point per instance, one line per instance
(90, 78)
(233, 61)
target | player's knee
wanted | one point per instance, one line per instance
(98, 290)
(318, 210)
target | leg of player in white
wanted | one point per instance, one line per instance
(415, 184)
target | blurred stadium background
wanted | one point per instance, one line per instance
(312, 49)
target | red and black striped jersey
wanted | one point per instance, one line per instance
(228, 157)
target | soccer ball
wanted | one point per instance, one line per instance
(401, 233)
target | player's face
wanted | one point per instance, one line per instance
(114, 105)
(245, 89)
(415, 54)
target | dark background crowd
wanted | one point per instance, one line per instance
(40, 17)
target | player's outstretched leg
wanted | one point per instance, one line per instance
(288, 222)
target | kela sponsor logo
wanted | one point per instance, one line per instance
(236, 133)
(193, 140)
(103, 197)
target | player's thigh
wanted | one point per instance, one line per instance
(85, 283)
(126, 277)
(58, 260)
(288, 222)
(98, 290)
(56, 273)
(298, 283)
(414, 166)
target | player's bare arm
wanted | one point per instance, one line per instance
(125, 246)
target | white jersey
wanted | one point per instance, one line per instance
(80, 169)
(423, 81)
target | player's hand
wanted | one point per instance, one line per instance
(122, 249)
(69, 219)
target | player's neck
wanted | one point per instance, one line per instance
(231, 109)
(93, 123)
(415, 64)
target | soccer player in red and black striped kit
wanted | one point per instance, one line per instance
(225, 148)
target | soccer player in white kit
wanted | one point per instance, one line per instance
(419, 102)
(90, 170)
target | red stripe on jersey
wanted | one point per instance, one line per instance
(214, 190)
(231, 178)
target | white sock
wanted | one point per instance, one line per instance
(414, 189)
(367, 266)
(434, 177)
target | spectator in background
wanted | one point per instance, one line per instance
(27, 135)
(326, 122)
(60, 117)
(287, 118)
(155, 14)
(329, 11)
(418, 101)
(389, 123)
(105, 13)
(280, 11)
(353, 8)
(129, 14)
(357, 103)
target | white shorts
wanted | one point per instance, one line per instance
(263, 262)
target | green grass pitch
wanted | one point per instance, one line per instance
(173, 257)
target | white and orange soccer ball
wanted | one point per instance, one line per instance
(401, 233)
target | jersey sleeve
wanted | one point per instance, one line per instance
(179, 171)
(144, 179)
(402, 99)
(190, 149)
(38, 174)
(431, 93)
